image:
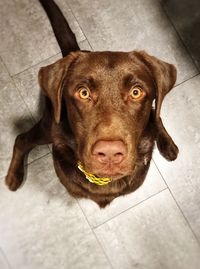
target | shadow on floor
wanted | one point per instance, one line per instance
(24, 124)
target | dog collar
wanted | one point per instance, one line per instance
(92, 178)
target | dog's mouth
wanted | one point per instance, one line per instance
(93, 178)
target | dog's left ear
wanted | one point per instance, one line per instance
(164, 76)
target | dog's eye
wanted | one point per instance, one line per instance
(136, 93)
(84, 93)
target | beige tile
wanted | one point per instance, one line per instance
(152, 235)
(96, 216)
(128, 25)
(41, 226)
(181, 115)
(14, 119)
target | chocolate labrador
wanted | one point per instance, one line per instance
(99, 118)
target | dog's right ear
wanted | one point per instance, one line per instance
(51, 81)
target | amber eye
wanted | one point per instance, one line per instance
(136, 93)
(84, 93)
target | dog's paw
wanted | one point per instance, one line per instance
(167, 148)
(14, 180)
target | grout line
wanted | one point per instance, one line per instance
(71, 22)
(131, 207)
(38, 63)
(5, 258)
(34, 119)
(31, 66)
(179, 36)
(50, 149)
(5, 67)
(79, 25)
(27, 164)
(179, 207)
(93, 232)
(102, 248)
(186, 80)
(88, 44)
(26, 105)
(45, 155)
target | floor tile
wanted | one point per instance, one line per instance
(128, 25)
(152, 235)
(41, 226)
(25, 33)
(28, 86)
(3, 262)
(14, 119)
(84, 45)
(4, 75)
(67, 12)
(185, 16)
(181, 115)
(96, 216)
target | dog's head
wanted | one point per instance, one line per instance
(108, 97)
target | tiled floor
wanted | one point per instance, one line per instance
(158, 226)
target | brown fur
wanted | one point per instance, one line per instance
(73, 126)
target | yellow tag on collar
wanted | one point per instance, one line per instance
(92, 178)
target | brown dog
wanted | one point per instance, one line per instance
(99, 112)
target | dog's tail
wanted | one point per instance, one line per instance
(64, 35)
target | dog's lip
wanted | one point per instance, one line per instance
(107, 174)
(107, 171)
(111, 176)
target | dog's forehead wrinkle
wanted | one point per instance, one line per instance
(109, 67)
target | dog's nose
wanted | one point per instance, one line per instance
(109, 151)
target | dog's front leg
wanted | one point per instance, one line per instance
(39, 134)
